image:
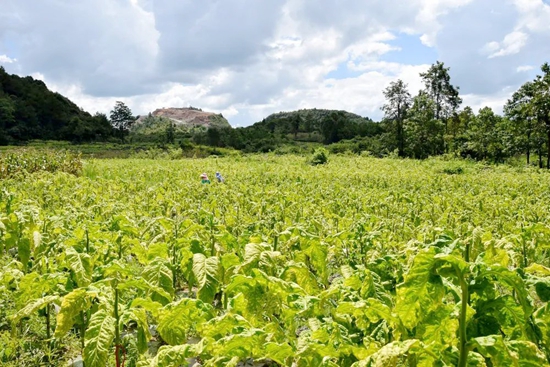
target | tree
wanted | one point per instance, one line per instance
(170, 132)
(541, 102)
(213, 137)
(331, 127)
(102, 126)
(519, 110)
(398, 102)
(529, 109)
(424, 132)
(122, 119)
(296, 122)
(456, 136)
(444, 95)
(487, 136)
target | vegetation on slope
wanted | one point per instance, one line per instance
(28, 110)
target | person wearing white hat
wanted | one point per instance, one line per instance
(204, 179)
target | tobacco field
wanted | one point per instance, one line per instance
(359, 262)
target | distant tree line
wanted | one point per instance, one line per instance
(431, 123)
(427, 124)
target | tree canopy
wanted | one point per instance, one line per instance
(28, 110)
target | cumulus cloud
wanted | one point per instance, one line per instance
(524, 68)
(512, 44)
(246, 58)
(6, 59)
(108, 47)
(484, 43)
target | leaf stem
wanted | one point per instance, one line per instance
(463, 359)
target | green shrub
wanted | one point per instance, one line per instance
(320, 156)
(453, 170)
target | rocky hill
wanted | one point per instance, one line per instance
(182, 119)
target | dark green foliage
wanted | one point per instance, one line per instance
(122, 119)
(529, 113)
(28, 110)
(423, 131)
(287, 128)
(454, 170)
(543, 291)
(320, 156)
(438, 87)
(395, 111)
(310, 125)
(170, 133)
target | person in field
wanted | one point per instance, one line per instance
(219, 177)
(204, 179)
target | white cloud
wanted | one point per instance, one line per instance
(247, 59)
(534, 15)
(495, 101)
(510, 45)
(524, 68)
(429, 14)
(6, 59)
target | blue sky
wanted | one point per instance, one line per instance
(249, 58)
(410, 50)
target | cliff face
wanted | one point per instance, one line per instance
(186, 118)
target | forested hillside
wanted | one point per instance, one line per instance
(28, 110)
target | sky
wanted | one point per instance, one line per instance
(247, 59)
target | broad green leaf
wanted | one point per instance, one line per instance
(243, 345)
(543, 290)
(513, 280)
(32, 307)
(147, 304)
(538, 269)
(509, 352)
(376, 310)
(229, 260)
(440, 327)
(24, 251)
(154, 291)
(300, 274)
(98, 339)
(317, 253)
(421, 292)
(495, 256)
(221, 326)
(206, 271)
(171, 356)
(81, 266)
(176, 320)
(139, 316)
(157, 250)
(280, 353)
(252, 252)
(158, 274)
(390, 355)
(117, 269)
(71, 305)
